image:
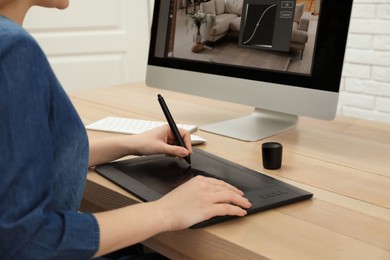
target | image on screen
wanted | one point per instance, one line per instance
(266, 35)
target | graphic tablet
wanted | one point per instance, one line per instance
(151, 177)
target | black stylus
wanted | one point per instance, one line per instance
(172, 125)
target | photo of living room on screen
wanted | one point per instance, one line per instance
(276, 35)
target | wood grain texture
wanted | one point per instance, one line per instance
(344, 162)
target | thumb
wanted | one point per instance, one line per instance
(176, 150)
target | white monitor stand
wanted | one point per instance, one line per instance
(258, 125)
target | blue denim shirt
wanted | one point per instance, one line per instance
(43, 158)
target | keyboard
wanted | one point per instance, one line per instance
(131, 126)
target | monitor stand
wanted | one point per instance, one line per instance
(258, 125)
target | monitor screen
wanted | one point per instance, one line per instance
(278, 56)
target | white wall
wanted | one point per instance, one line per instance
(94, 42)
(104, 42)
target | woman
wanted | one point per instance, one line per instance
(45, 154)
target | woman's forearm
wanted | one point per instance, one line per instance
(109, 149)
(127, 226)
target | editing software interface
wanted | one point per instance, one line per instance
(276, 35)
(267, 24)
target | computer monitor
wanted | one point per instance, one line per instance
(274, 55)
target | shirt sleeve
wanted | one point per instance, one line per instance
(29, 228)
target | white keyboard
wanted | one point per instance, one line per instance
(131, 126)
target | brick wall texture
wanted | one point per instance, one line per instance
(365, 84)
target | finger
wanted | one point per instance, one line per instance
(223, 184)
(227, 209)
(186, 138)
(174, 150)
(229, 197)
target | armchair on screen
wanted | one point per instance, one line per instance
(300, 28)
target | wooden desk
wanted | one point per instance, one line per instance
(344, 162)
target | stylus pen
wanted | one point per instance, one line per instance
(172, 125)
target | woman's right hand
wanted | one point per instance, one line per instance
(199, 199)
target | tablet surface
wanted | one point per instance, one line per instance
(150, 177)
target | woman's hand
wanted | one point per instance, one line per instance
(156, 141)
(199, 199)
(162, 141)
